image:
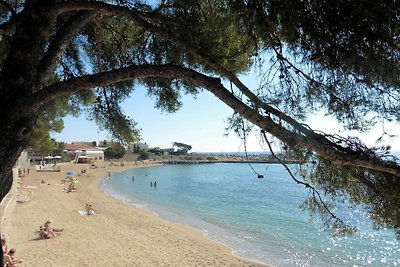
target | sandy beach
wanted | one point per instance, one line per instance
(117, 235)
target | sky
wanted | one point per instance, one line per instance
(200, 122)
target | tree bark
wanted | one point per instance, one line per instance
(13, 139)
(18, 81)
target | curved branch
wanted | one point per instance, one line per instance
(167, 34)
(60, 41)
(306, 139)
(214, 85)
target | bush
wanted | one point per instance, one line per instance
(144, 154)
(114, 152)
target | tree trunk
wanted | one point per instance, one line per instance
(18, 82)
(15, 134)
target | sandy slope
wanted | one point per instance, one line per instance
(118, 235)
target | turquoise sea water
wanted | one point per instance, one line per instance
(259, 219)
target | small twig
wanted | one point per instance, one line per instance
(307, 185)
(245, 148)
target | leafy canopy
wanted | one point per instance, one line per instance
(341, 57)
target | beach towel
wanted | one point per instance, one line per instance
(85, 212)
(30, 186)
(25, 197)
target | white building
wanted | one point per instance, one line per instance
(137, 147)
(83, 153)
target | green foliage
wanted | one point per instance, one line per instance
(50, 120)
(115, 151)
(341, 57)
(181, 148)
(144, 154)
(348, 187)
(228, 45)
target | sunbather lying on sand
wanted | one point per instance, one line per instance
(48, 228)
(70, 188)
(45, 234)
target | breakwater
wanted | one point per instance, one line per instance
(225, 161)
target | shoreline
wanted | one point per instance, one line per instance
(118, 235)
(162, 213)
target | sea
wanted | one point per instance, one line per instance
(258, 218)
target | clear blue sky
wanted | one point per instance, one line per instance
(200, 123)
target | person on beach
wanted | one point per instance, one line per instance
(43, 234)
(48, 228)
(69, 189)
(9, 260)
(4, 245)
(89, 209)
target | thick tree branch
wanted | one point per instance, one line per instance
(8, 7)
(60, 42)
(214, 85)
(167, 34)
(307, 139)
(19, 68)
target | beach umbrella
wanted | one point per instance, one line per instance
(71, 173)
